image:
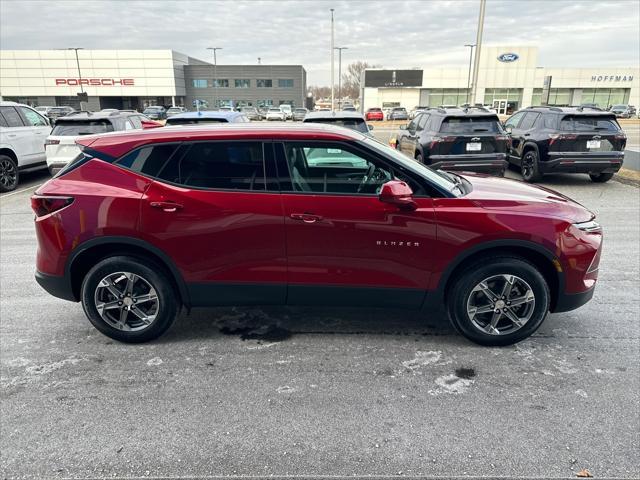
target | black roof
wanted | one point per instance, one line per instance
(461, 112)
(569, 110)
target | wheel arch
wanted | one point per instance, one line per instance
(89, 253)
(9, 153)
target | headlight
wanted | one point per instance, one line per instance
(590, 226)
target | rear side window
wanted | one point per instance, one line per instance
(470, 125)
(529, 120)
(550, 121)
(581, 123)
(89, 127)
(219, 165)
(11, 117)
(148, 160)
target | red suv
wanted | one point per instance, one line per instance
(143, 223)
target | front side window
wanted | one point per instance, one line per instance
(264, 83)
(33, 118)
(514, 120)
(11, 117)
(218, 165)
(529, 120)
(285, 83)
(199, 83)
(242, 83)
(422, 121)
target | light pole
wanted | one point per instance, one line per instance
(215, 75)
(340, 74)
(332, 49)
(259, 60)
(79, 74)
(470, 45)
(476, 63)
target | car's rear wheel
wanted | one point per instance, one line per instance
(600, 177)
(9, 175)
(530, 167)
(129, 299)
(499, 301)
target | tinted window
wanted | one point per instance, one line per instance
(148, 160)
(550, 121)
(3, 122)
(514, 120)
(33, 118)
(135, 119)
(352, 123)
(588, 123)
(11, 117)
(191, 121)
(89, 127)
(225, 165)
(470, 125)
(422, 121)
(528, 121)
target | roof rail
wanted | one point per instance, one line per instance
(476, 107)
(78, 112)
(555, 109)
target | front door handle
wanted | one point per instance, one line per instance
(306, 217)
(169, 207)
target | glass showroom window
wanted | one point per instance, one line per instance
(199, 83)
(221, 83)
(605, 97)
(447, 96)
(265, 103)
(264, 83)
(285, 83)
(243, 83)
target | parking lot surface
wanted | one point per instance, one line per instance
(327, 392)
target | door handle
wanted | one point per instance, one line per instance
(527, 134)
(169, 207)
(306, 217)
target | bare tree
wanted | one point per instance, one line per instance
(320, 92)
(351, 78)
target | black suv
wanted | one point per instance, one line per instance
(470, 139)
(566, 139)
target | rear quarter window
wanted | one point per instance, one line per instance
(77, 128)
(148, 160)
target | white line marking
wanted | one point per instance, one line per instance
(4, 195)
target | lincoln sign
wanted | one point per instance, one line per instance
(99, 82)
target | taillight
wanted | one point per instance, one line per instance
(502, 138)
(561, 136)
(49, 141)
(44, 205)
(436, 140)
(621, 136)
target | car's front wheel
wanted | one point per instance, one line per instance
(499, 301)
(9, 175)
(129, 299)
(600, 177)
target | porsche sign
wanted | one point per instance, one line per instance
(96, 82)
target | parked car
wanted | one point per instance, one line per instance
(352, 120)
(566, 139)
(175, 111)
(206, 116)
(200, 217)
(274, 113)
(251, 113)
(349, 108)
(22, 134)
(288, 111)
(226, 109)
(415, 111)
(623, 111)
(54, 113)
(60, 145)
(398, 113)
(456, 139)
(42, 110)
(299, 114)
(374, 113)
(155, 112)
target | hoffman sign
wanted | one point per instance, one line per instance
(612, 78)
(97, 82)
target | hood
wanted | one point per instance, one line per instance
(495, 193)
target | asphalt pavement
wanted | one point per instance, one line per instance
(325, 391)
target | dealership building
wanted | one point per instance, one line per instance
(135, 79)
(509, 78)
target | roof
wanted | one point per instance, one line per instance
(119, 143)
(571, 110)
(461, 112)
(84, 115)
(339, 115)
(224, 115)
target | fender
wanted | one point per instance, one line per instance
(83, 247)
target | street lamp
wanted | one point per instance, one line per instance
(476, 60)
(332, 67)
(471, 46)
(215, 75)
(79, 74)
(340, 74)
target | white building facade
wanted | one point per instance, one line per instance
(509, 78)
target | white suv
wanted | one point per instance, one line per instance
(22, 135)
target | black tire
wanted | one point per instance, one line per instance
(530, 167)
(600, 177)
(419, 158)
(462, 294)
(9, 174)
(168, 305)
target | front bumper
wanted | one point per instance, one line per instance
(495, 163)
(570, 301)
(583, 162)
(57, 286)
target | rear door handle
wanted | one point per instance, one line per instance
(306, 217)
(169, 207)
(527, 134)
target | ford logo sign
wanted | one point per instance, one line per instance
(508, 57)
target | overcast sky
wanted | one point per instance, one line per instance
(394, 34)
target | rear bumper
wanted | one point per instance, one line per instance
(57, 286)
(577, 162)
(495, 163)
(571, 301)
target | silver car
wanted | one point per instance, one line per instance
(299, 114)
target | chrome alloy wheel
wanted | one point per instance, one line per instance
(8, 173)
(501, 304)
(126, 301)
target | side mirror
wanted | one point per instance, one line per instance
(370, 127)
(399, 194)
(508, 128)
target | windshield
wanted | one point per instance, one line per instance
(275, 110)
(152, 109)
(619, 107)
(353, 123)
(175, 109)
(470, 125)
(301, 110)
(192, 121)
(443, 180)
(582, 123)
(73, 129)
